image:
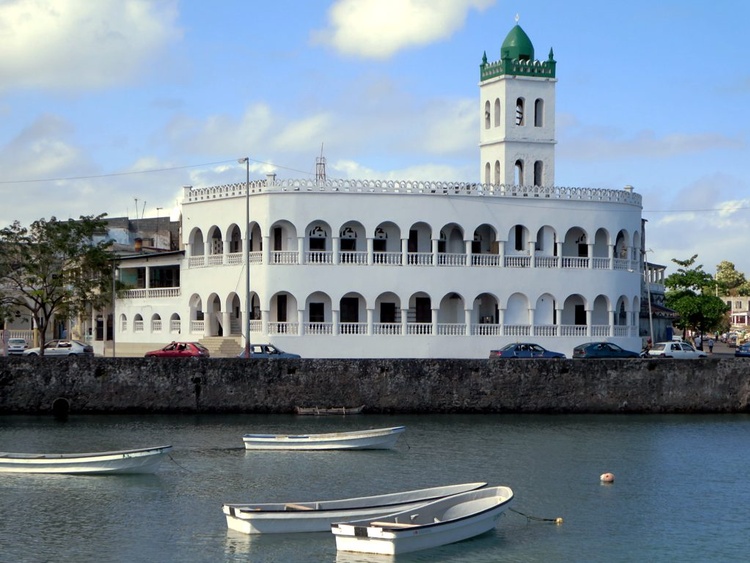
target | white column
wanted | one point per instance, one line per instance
(435, 252)
(301, 321)
(335, 245)
(404, 321)
(588, 322)
(467, 320)
(266, 253)
(532, 253)
(404, 252)
(370, 320)
(469, 257)
(590, 253)
(226, 321)
(265, 314)
(300, 250)
(335, 321)
(559, 254)
(434, 318)
(370, 251)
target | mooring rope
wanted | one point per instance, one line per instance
(178, 464)
(557, 520)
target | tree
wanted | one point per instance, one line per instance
(690, 292)
(729, 279)
(53, 269)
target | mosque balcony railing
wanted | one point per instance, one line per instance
(285, 187)
(152, 293)
(390, 329)
(274, 328)
(451, 329)
(443, 259)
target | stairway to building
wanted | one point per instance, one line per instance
(223, 346)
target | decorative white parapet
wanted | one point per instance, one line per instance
(194, 195)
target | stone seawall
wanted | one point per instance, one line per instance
(98, 385)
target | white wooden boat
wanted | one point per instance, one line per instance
(372, 439)
(143, 460)
(317, 516)
(341, 411)
(437, 523)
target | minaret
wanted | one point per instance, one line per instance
(517, 125)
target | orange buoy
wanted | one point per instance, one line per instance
(607, 478)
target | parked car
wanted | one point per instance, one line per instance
(62, 348)
(742, 351)
(524, 350)
(594, 350)
(267, 351)
(17, 345)
(180, 350)
(676, 350)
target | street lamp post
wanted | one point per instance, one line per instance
(114, 301)
(246, 161)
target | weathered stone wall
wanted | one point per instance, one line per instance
(32, 385)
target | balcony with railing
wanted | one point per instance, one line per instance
(398, 258)
(428, 329)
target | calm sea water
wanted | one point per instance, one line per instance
(681, 490)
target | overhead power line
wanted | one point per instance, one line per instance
(149, 171)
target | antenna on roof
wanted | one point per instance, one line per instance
(320, 167)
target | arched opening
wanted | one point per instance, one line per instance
(539, 113)
(538, 173)
(520, 118)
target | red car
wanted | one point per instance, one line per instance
(181, 350)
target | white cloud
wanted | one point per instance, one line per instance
(76, 45)
(379, 28)
(430, 172)
(594, 143)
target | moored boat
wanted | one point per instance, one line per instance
(144, 460)
(436, 523)
(372, 439)
(317, 516)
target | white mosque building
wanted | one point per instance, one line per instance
(405, 269)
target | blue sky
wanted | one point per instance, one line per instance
(106, 103)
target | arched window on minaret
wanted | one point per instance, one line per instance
(487, 173)
(538, 173)
(519, 112)
(498, 179)
(487, 114)
(497, 112)
(539, 113)
(519, 173)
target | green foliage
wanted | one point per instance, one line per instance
(53, 269)
(690, 292)
(729, 279)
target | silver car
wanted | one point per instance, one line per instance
(62, 348)
(676, 350)
(17, 345)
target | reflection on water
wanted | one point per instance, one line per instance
(677, 483)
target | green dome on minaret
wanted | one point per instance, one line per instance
(517, 59)
(517, 45)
